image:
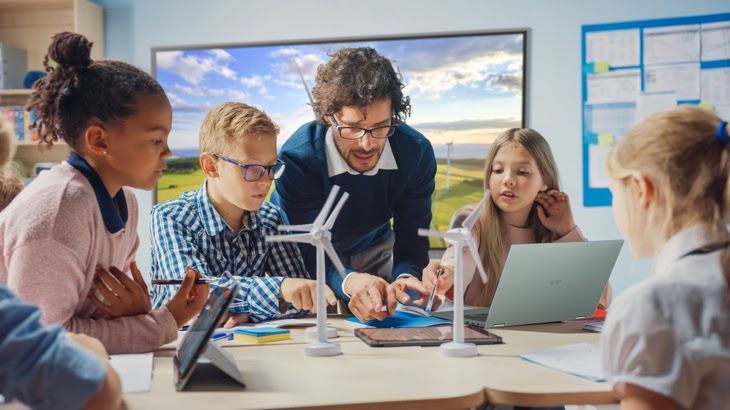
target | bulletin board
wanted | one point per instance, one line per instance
(633, 69)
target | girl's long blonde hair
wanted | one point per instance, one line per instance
(492, 229)
(679, 152)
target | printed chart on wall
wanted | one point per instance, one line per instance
(634, 69)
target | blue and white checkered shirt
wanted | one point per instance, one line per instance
(188, 231)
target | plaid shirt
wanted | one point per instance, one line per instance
(188, 231)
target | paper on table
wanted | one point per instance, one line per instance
(580, 359)
(598, 175)
(716, 86)
(135, 371)
(648, 104)
(716, 41)
(594, 326)
(400, 319)
(684, 79)
(673, 44)
(619, 48)
(614, 86)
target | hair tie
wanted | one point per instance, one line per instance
(721, 133)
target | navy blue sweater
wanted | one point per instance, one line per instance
(403, 195)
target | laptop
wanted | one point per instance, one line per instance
(195, 344)
(547, 282)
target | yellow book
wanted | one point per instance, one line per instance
(260, 335)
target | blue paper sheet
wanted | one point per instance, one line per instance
(402, 319)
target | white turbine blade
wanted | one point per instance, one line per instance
(431, 232)
(295, 237)
(333, 216)
(475, 255)
(326, 208)
(330, 250)
(295, 228)
(472, 218)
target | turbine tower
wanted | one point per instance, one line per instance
(318, 234)
(460, 238)
(449, 149)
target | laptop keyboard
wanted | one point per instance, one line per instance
(477, 319)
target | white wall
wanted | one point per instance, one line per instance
(554, 61)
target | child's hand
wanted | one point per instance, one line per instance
(231, 320)
(443, 283)
(554, 212)
(122, 295)
(189, 299)
(302, 293)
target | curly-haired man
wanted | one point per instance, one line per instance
(360, 142)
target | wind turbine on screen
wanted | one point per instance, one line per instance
(318, 234)
(460, 238)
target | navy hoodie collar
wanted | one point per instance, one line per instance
(113, 210)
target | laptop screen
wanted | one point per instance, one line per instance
(196, 338)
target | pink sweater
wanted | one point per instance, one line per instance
(52, 236)
(514, 235)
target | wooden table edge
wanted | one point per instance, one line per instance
(497, 396)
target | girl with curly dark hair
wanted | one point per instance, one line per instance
(69, 239)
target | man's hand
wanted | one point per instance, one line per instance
(371, 297)
(410, 291)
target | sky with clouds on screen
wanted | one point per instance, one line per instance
(466, 89)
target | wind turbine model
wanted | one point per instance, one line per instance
(449, 149)
(318, 234)
(460, 238)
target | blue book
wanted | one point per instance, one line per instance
(402, 319)
(260, 331)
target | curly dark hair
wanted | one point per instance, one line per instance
(79, 89)
(357, 77)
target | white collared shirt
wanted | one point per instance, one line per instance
(671, 333)
(337, 165)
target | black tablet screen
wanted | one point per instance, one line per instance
(194, 341)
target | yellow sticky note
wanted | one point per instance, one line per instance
(600, 67)
(707, 106)
(605, 138)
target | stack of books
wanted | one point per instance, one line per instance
(18, 120)
(258, 335)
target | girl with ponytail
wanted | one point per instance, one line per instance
(666, 341)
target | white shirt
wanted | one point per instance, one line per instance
(337, 165)
(671, 333)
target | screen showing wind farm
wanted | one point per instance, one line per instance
(465, 90)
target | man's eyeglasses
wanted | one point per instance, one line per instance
(254, 172)
(355, 133)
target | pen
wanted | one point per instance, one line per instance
(429, 304)
(201, 281)
(221, 335)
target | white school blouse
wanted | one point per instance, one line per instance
(671, 333)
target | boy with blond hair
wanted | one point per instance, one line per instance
(219, 228)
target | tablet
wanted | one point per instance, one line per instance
(196, 338)
(422, 336)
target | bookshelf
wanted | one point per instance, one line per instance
(30, 24)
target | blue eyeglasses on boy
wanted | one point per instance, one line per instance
(254, 172)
